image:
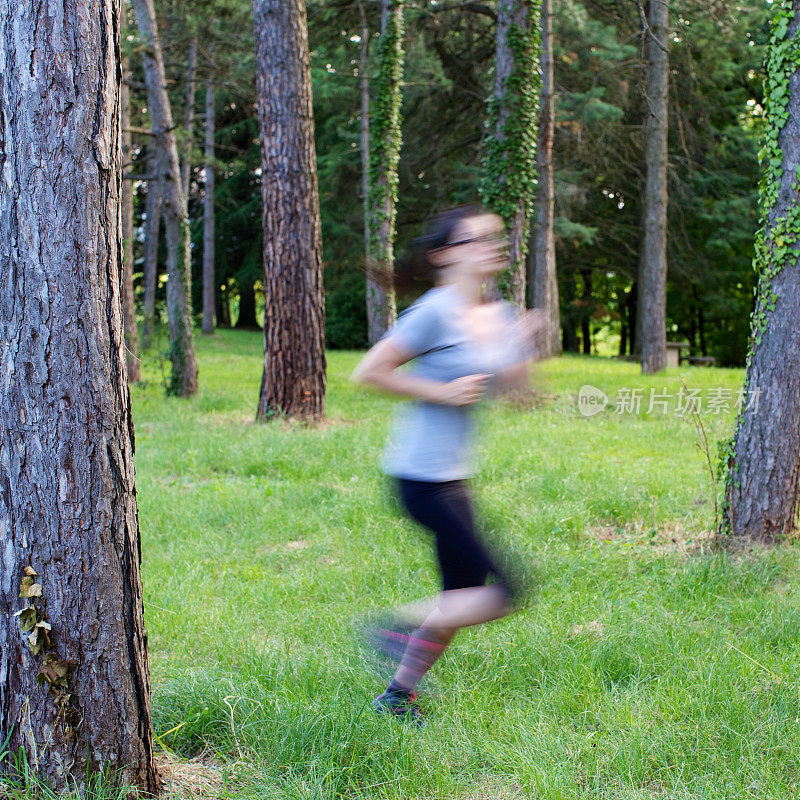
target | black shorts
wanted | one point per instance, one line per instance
(444, 508)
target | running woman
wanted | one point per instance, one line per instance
(462, 342)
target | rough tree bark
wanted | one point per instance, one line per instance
(68, 521)
(128, 304)
(762, 481)
(545, 280)
(294, 327)
(152, 226)
(208, 215)
(183, 381)
(188, 129)
(384, 155)
(653, 263)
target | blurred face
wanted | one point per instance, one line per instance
(478, 247)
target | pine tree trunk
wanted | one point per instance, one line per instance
(152, 226)
(545, 281)
(128, 304)
(653, 279)
(67, 502)
(384, 154)
(208, 215)
(764, 471)
(186, 164)
(183, 381)
(293, 382)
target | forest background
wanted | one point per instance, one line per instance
(716, 53)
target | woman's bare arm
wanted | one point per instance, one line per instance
(380, 368)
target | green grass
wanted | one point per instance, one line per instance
(644, 664)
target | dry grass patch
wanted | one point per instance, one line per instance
(675, 537)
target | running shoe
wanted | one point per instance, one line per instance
(399, 705)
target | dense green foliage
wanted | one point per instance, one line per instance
(715, 112)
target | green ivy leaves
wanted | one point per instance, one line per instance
(385, 133)
(509, 158)
(776, 244)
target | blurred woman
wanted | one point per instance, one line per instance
(462, 342)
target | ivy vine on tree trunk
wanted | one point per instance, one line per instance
(762, 459)
(384, 154)
(509, 159)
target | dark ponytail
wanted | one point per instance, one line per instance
(414, 272)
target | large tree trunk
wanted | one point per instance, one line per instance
(294, 326)
(152, 226)
(68, 519)
(128, 304)
(764, 467)
(384, 154)
(653, 266)
(188, 130)
(183, 381)
(545, 281)
(508, 185)
(208, 215)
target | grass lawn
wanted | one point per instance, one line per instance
(643, 664)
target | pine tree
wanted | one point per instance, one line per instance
(74, 675)
(294, 334)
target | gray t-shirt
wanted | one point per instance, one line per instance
(432, 442)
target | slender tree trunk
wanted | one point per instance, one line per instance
(545, 280)
(701, 326)
(209, 278)
(384, 154)
(633, 319)
(223, 309)
(183, 381)
(363, 66)
(128, 304)
(653, 280)
(373, 289)
(586, 309)
(513, 140)
(186, 164)
(763, 479)
(247, 306)
(570, 333)
(294, 325)
(68, 522)
(152, 225)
